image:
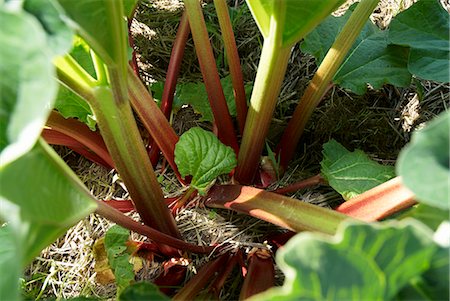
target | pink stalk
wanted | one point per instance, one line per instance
(379, 202)
(210, 74)
(80, 132)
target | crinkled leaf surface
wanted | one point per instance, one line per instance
(371, 60)
(41, 198)
(361, 262)
(351, 173)
(294, 18)
(424, 163)
(200, 154)
(425, 28)
(195, 95)
(10, 266)
(142, 291)
(27, 83)
(118, 258)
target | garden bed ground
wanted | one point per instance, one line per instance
(379, 123)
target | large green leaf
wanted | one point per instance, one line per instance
(41, 198)
(49, 14)
(199, 153)
(371, 60)
(361, 262)
(101, 24)
(292, 18)
(425, 28)
(351, 173)
(10, 265)
(424, 163)
(429, 215)
(118, 258)
(27, 83)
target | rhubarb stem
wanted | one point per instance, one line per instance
(210, 74)
(312, 181)
(271, 71)
(379, 202)
(320, 83)
(233, 61)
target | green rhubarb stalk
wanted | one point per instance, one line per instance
(121, 135)
(271, 71)
(210, 74)
(233, 61)
(320, 83)
(282, 211)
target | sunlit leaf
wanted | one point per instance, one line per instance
(200, 154)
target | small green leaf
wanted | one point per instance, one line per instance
(424, 163)
(371, 60)
(352, 173)
(118, 258)
(195, 95)
(200, 154)
(27, 84)
(361, 262)
(425, 28)
(142, 291)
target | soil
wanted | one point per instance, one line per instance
(379, 123)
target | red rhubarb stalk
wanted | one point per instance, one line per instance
(260, 275)
(210, 74)
(313, 181)
(233, 61)
(379, 202)
(173, 72)
(80, 132)
(57, 138)
(199, 281)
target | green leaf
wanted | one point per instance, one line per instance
(425, 28)
(26, 82)
(424, 163)
(118, 258)
(88, 16)
(351, 173)
(49, 13)
(199, 153)
(195, 95)
(293, 18)
(128, 7)
(371, 60)
(10, 264)
(70, 105)
(361, 262)
(41, 198)
(142, 291)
